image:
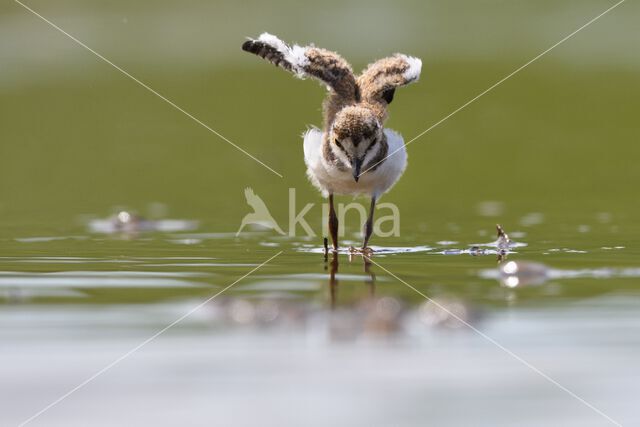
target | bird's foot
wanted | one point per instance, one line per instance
(327, 249)
(367, 251)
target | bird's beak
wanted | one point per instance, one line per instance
(357, 164)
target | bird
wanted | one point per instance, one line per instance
(260, 214)
(353, 154)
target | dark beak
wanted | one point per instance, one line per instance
(357, 164)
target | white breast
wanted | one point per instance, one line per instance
(329, 179)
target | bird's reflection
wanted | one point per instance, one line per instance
(367, 316)
(333, 282)
(370, 279)
(332, 267)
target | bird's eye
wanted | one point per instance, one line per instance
(339, 145)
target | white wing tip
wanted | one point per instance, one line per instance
(298, 56)
(415, 67)
(275, 42)
(295, 55)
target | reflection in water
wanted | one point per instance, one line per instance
(447, 312)
(274, 313)
(370, 317)
(44, 239)
(129, 224)
(522, 273)
(514, 274)
(24, 287)
(96, 280)
(501, 247)
(377, 250)
(229, 367)
(283, 309)
(369, 277)
(19, 295)
(370, 281)
(333, 282)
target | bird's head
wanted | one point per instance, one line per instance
(355, 137)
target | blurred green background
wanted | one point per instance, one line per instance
(551, 154)
(78, 137)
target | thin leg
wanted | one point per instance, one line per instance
(333, 282)
(371, 281)
(333, 223)
(325, 243)
(368, 226)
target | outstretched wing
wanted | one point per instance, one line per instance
(379, 80)
(306, 61)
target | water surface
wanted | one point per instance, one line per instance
(551, 155)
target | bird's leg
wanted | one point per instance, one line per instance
(325, 243)
(333, 223)
(368, 226)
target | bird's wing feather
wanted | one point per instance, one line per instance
(306, 61)
(379, 80)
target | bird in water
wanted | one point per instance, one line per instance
(353, 154)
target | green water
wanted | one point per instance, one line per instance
(550, 154)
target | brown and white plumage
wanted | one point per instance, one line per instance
(309, 61)
(353, 139)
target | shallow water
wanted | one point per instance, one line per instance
(347, 336)
(422, 333)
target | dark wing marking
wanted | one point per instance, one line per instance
(379, 80)
(387, 95)
(268, 52)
